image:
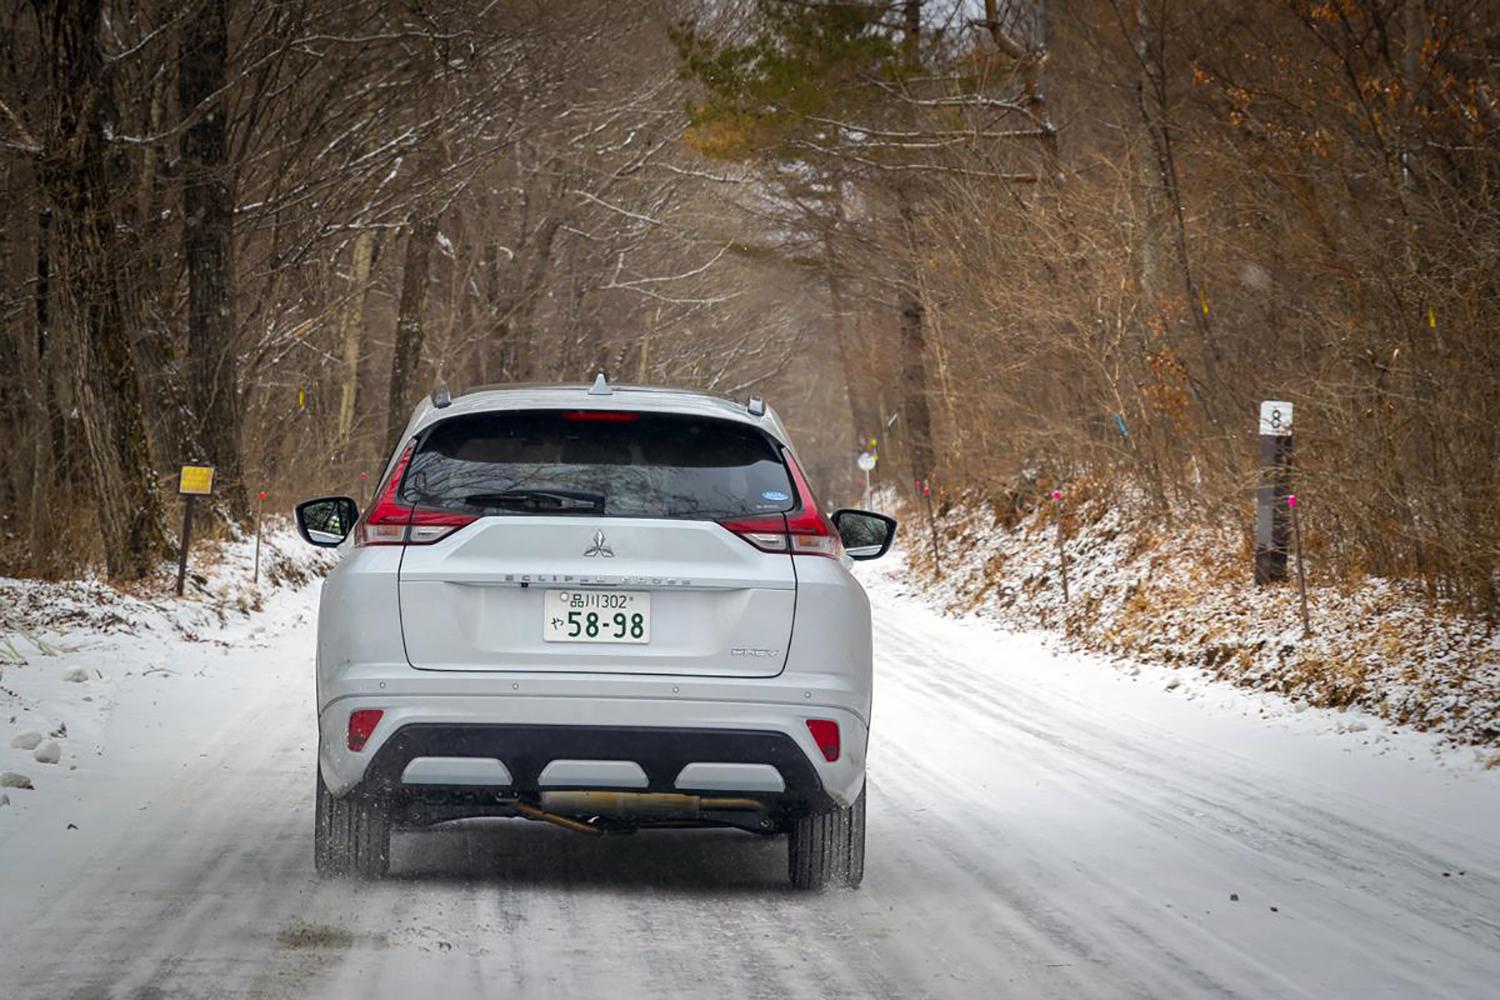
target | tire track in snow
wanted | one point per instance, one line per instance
(1108, 766)
(1296, 829)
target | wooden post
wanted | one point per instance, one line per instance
(1271, 511)
(1291, 502)
(937, 552)
(182, 547)
(1062, 553)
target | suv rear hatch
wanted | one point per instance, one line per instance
(595, 541)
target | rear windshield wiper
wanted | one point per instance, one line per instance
(552, 501)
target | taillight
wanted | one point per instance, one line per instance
(808, 528)
(362, 722)
(825, 733)
(392, 523)
(803, 532)
(766, 533)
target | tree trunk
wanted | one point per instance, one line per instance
(861, 412)
(917, 412)
(42, 399)
(169, 414)
(208, 210)
(1151, 99)
(529, 352)
(409, 328)
(96, 272)
(13, 381)
(354, 336)
(492, 347)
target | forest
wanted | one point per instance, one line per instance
(1008, 245)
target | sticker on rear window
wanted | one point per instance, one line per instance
(775, 495)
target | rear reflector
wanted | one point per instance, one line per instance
(825, 733)
(362, 722)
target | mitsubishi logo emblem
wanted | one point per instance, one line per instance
(599, 548)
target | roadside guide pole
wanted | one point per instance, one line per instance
(260, 509)
(1291, 501)
(924, 487)
(1062, 553)
(193, 481)
(1272, 513)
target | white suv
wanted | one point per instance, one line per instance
(608, 609)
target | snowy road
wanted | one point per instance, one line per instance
(1041, 825)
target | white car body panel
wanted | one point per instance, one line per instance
(474, 601)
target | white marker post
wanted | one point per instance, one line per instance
(1062, 552)
(260, 510)
(866, 463)
(1271, 510)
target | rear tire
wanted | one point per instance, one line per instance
(828, 848)
(352, 835)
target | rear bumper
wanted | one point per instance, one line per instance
(591, 740)
(418, 760)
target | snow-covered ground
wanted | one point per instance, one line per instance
(1042, 824)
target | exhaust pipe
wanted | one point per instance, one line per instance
(640, 805)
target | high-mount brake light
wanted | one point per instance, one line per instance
(805, 531)
(602, 416)
(393, 523)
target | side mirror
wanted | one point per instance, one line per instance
(326, 521)
(866, 535)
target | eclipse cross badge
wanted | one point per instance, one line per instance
(599, 548)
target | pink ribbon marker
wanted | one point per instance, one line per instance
(1057, 494)
(1291, 499)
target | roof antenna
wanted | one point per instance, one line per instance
(756, 407)
(441, 397)
(601, 387)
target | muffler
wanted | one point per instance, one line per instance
(639, 805)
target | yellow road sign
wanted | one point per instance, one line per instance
(196, 480)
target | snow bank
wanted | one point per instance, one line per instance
(218, 587)
(67, 646)
(1182, 596)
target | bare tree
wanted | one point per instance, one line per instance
(208, 247)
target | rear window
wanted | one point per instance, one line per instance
(616, 464)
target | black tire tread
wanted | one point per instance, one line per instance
(828, 847)
(351, 835)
